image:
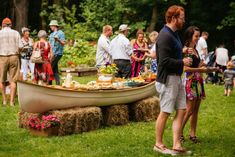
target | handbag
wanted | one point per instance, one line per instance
(36, 56)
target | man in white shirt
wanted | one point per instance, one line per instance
(121, 52)
(102, 53)
(202, 46)
(10, 45)
(221, 61)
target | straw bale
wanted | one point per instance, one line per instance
(67, 121)
(78, 120)
(144, 110)
(23, 118)
(72, 120)
(115, 115)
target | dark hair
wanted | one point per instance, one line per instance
(188, 34)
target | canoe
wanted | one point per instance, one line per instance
(36, 99)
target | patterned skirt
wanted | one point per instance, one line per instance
(194, 86)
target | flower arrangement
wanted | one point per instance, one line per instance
(108, 69)
(43, 122)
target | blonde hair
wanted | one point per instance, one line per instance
(106, 28)
(153, 36)
(153, 33)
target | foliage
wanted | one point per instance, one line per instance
(230, 19)
(68, 21)
(43, 122)
(99, 13)
(80, 53)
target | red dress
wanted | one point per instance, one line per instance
(43, 71)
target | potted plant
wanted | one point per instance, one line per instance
(106, 73)
(44, 125)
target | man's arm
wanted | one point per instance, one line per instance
(61, 39)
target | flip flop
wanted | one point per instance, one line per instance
(162, 149)
(181, 151)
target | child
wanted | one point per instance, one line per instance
(229, 75)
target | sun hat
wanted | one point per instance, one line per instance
(123, 27)
(54, 23)
(25, 29)
(6, 21)
(42, 33)
(229, 65)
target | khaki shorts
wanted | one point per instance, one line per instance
(172, 94)
(9, 68)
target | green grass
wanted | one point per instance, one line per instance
(216, 130)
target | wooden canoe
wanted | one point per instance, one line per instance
(36, 99)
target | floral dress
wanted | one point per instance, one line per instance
(137, 67)
(194, 82)
(43, 71)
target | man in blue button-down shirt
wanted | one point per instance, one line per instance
(57, 41)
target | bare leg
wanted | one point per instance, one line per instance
(177, 127)
(13, 91)
(194, 117)
(229, 91)
(225, 92)
(160, 126)
(3, 88)
(188, 113)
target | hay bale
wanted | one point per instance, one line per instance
(89, 120)
(115, 115)
(67, 121)
(78, 120)
(23, 118)
(73, 120)
(145, 110)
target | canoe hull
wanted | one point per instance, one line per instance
(36, 99)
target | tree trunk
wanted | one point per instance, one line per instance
(44, 5)
(21, 13)
(153, 21)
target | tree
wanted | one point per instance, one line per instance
(20, 13)
(228, 21)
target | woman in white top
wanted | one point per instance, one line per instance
(26, 64)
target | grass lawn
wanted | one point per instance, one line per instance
(216, 130)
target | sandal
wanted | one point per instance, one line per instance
(194, 139)
(182, 139)
(181, 151)
(162, 149)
